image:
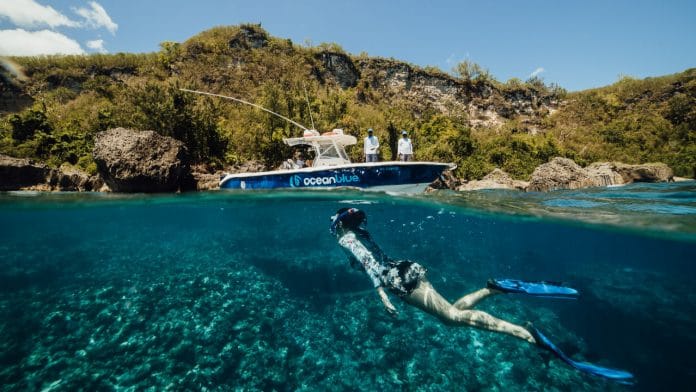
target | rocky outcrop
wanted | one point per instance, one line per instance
(141, 161)
(564, 173)
(73, 179)
(648, 172)
(559, 173)
(485, 104)
(603, 174)
(340, 67)
(249, 37)
(497, 179)
(207, 181)
(25, 174)
(439, 90)
(17, 173)
(206, 178)
(447, 180)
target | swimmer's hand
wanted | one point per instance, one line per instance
(391, 310)
(385, 301)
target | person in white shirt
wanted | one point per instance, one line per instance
(371, 146)
(405, 150)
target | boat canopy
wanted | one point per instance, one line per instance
(328, 146)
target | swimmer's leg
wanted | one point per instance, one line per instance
(426, 298)
(470, 300)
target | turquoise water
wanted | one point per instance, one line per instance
(223, 290)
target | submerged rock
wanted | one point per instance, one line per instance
(141, 161)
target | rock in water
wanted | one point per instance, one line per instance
(563, 173)
(16, 173)
(140, 161)
(72, 179)
(497, 179)
(647, 172)
(559, 173)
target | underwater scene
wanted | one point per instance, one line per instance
(250, 291)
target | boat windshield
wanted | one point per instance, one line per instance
(329, 148)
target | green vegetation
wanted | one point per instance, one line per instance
(74, 97)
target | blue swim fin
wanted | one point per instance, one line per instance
(620, 376)
(538, 289)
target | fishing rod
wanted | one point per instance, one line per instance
(309, 107)
(248, 103)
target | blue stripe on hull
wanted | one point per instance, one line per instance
(360, 177)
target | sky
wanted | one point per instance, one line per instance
(575, 44)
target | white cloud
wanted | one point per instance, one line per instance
(97, 17)
(30, 14)
(97, 45)
(20, 42)
(536, 72)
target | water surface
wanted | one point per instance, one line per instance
(248, 290)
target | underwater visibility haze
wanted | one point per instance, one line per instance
(217, 291)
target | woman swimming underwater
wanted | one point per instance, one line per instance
(407, 280)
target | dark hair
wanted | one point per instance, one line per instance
(351, 218)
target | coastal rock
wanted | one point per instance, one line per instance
(497, 179)
(563, 173)
(604, 174)
(447, 180)
(69, 178)
(17, 173)
(648, 172)
(25, 174)
(141, 161)
(206, 181)
(205, 178)
(559, 173)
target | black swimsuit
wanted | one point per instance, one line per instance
(403, 276)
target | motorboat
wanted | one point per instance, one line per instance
(331, 167)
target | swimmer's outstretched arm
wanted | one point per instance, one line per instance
(385, 300)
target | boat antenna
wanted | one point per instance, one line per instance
(309, 107)
(248, 103)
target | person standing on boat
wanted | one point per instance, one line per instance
(371, 146)
(405, 150)
(407, 280)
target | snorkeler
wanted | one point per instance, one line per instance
(407, 280)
